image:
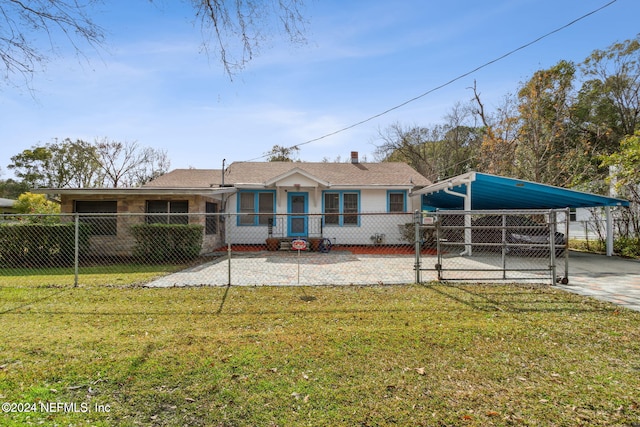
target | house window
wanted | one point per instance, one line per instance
(170, 209)
(211, 221)
(332, 208)
(256, 207)
(396, 201)
(341, 208)
(99, 225)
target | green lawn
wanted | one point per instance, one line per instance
(430, 355)
(108, 275)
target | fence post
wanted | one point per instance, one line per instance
(567, 213)
(552, 245)
(418, 244)
(229, 263)
(438, 247)
(76, 247)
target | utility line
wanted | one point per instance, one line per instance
(461, 76)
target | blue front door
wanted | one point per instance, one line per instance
(298, 210)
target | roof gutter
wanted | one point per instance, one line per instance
(135, 191)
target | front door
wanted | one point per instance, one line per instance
(298, 219)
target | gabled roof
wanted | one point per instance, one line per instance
(498, 192)
(297, 171)
(264, 173)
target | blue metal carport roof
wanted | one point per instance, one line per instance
(498, 192)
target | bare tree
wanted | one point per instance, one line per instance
(436, 152)
(233, 31)
(127, 164)
(501, 136)
(24, 22)
(238, 31)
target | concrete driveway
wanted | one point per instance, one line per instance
(610, 279)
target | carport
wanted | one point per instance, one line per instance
(482, 191)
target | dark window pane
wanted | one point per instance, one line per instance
(157, 207)
(331, 208)
(176, 207)
(247, 206)
(396, 202)
(265, 206)
(350, 208)
(167, 207)
(179, 207)
(99, 225)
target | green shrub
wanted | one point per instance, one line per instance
(627, 246)
(624, 246)
(597, 245)
(167, 242)
(28, 244)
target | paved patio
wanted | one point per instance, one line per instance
(291, 269)
(343, 268)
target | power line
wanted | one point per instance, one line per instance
(461, 76)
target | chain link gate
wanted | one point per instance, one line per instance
(526, 246)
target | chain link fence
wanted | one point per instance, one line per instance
(519, 246)
(196, 249)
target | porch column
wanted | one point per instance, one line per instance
(609, 223)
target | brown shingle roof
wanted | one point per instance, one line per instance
(188, 178)
(392, 173)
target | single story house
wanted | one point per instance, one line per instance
(262, 199)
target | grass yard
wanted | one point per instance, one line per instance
(108, 275)
(430, 355)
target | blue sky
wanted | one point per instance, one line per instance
(152, 84)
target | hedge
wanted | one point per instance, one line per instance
(39, 245)
(167, 242)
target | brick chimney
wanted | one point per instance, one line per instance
(354, 157)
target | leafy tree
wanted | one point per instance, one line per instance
(11, 189)
(79, 164)
(233, 31)
(58, 164)
(625, 176)
(614, 83)
(546, 149)
(39, 209)
(283, 154)
(607, 107)
(554, 134)
(32, 165)
(626, 164)
(30, 203)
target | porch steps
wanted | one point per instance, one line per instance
(285, 245)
